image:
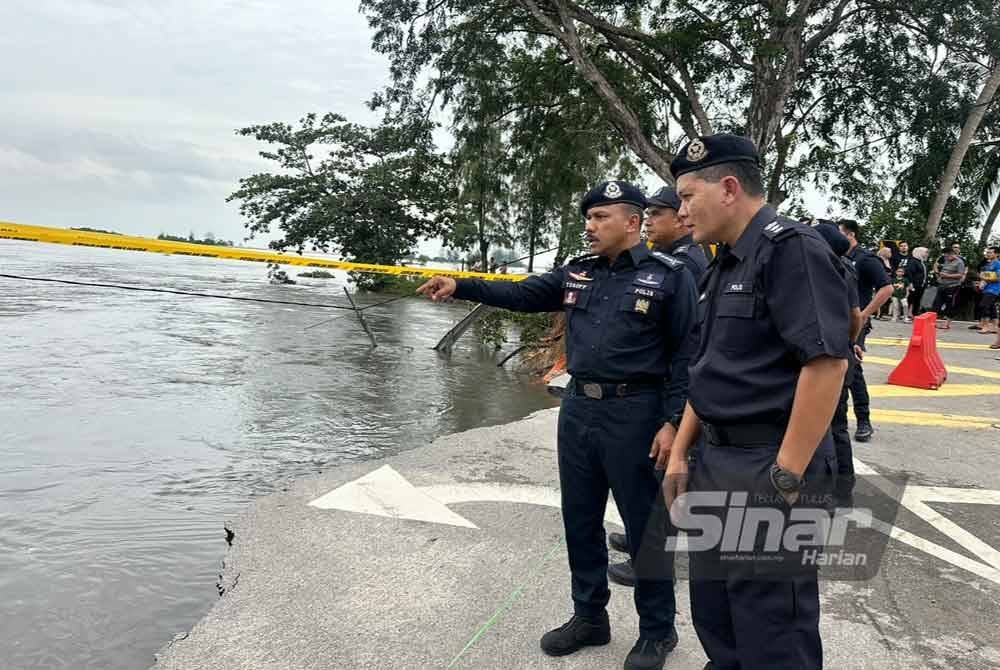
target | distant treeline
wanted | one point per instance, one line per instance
(191, 239)
(97, 230)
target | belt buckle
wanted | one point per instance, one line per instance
(593, 391)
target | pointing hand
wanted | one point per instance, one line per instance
(438, 288)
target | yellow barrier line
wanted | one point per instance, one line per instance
(976, 372)
(911, 418)
(900, 342)
(16, 231)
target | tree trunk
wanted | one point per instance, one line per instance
(958, 153)
(984, 237)
(620, 114)
(532, 233)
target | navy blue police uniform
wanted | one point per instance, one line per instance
(684, 248)
(871, 277)
(838, 426)
(770, 303)
(626, 322)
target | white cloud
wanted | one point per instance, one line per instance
(125, 110)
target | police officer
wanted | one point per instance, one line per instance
(669, 234)
(874, 289)
(771, 358)
(844, 486)
(628, 312)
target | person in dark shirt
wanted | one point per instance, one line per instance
(629, 313)
(669, 234)
(874, 290)
(773, 339)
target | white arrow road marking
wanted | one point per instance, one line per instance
(515, 493)
(914, 498)
(385, 492)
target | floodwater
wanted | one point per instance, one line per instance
(134, 425)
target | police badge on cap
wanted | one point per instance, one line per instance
(703, 152)
(612, 192)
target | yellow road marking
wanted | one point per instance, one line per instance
(901, 342)
(976, 372)
(912, 418)
(948, 390)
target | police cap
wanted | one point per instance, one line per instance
(665, 197)
(610, 193)
(703, 152)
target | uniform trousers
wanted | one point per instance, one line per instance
(604, 445)
(758, 614)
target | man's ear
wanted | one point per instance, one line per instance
(731, 188)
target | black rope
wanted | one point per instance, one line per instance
(188, 293)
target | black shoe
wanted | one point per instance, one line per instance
(622, 573)
(618, 542)
(864, 431)
(650, 654)
(576, 634)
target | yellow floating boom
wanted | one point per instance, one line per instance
(85, 238)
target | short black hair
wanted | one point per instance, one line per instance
(746, 172)
(633, 209)
(851, 226)
(995, 249)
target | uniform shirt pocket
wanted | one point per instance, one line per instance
(734, 321)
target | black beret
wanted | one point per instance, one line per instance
(665, 197)
(612, 192)
(703, 152)
(833, 237)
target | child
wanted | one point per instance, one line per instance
(900, 292)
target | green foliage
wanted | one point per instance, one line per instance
(209, 239)
(495, 328)
(368, 194)
(317, 274)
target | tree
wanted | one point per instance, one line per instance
(969, 128)
(367, 193)
(823, 87)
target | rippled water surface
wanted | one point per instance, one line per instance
(133, 425)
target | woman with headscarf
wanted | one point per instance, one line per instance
(885, 255)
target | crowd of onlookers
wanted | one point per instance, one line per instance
(911, 277)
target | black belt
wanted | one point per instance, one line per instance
(600, 390)
(749, 434)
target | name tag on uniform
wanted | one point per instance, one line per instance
(739, 287)
(577, 285)
(648, 292)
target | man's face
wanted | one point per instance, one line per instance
(703, 207)
(990, 255)
(849, 235)
(956, 249)
(608, 228)
(904, 248)
(663, 225)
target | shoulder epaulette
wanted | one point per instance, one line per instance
(779, 230)
(683, 249)
(585, 257)
(667, 260)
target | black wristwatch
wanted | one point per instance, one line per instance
(785, 481)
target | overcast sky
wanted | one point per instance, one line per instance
(120, 114)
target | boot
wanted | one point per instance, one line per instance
(577, 633)
(650, 654)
